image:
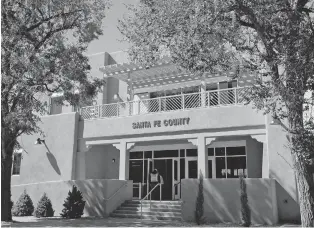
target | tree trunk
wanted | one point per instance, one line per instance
(301, 150)
(6, 166)
(306, 193)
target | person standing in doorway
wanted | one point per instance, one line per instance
(154, 179)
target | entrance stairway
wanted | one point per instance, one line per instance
(160, 210)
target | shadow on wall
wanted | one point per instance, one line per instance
(93, 193)
(222, 200)
(288, 208)
(53, 161)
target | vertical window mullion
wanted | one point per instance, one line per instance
(226, 162)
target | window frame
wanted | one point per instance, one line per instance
(225, 156)
(16, 166)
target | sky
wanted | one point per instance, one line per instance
(109, 41)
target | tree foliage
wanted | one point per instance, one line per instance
(199, 205)
(273, 39)
(245, 208)
(44, 207)
(24, 206)
(42, 52)
(73, 205)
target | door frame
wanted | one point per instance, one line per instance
(212, 158)
(187, 159)
(149, 162)
(175, 182)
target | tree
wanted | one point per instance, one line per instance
(42, 52)
(199, 206)
(73, 204)
(275, 39)
(245, 208)
(44, 207)
(24, 205)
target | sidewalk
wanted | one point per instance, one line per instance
(104, 222)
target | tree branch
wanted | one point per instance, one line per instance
(300, 4)
(50, 18)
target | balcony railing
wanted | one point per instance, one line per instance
(233, 96)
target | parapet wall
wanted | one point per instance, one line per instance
(99, 194)
(222, 200)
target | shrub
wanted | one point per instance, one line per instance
(73, 205)
(44, 207)
(245, 208)
(24, 206)
(199, 207)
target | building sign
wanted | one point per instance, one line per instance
(160, 123)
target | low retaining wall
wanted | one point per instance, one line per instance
(222, 200)
(95, 193)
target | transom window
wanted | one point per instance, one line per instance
(230, 161)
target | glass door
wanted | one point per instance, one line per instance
(176, 178)
(148, 168)
(191, 167)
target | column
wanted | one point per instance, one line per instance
(202, 157)
(124, 161)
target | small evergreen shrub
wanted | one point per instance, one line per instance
(245, 208)
(199, 207)
(24, 206)
(44, 207)
(73, 204)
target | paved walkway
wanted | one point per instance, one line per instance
(102, 222)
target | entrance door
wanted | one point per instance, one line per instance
(164, 167)
(191, 168)
(176, 178)
(148, 168)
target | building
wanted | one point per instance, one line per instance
(159, 117)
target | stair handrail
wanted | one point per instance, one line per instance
(116, 192)
(150, 203)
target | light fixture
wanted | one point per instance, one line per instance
(113, 160)
(39, 141)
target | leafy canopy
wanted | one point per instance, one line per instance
(273, 38)
(42, 52)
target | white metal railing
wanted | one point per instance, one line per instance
(150, 198)
(213, 98)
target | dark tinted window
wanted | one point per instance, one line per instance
(136, 155)
(211, 152)
(239, 150)
(191, 152)
(165, 153)
(220, 151)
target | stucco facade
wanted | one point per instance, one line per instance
(95, 148)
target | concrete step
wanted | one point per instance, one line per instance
(155, 206)
(147, 208)
(154, 213)
(145, 216)
(154, 202)
(152, 210)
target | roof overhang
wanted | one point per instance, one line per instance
(162, 75)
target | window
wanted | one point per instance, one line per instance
(230, 161)
(55, 106)
(17, 157)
